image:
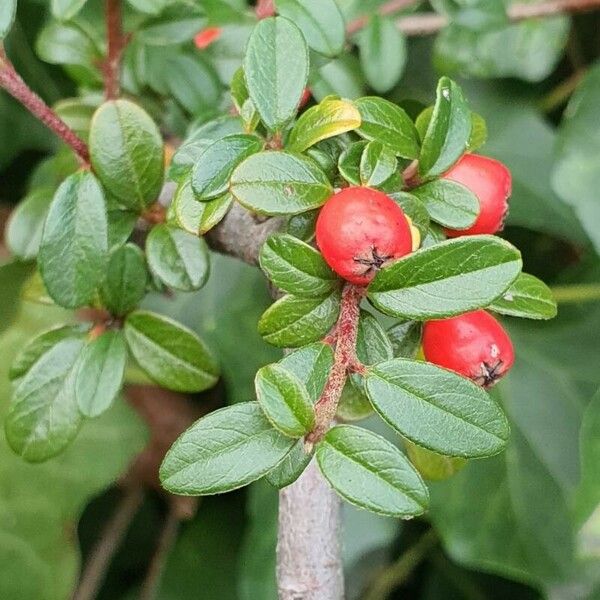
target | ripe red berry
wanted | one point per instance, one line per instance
(474, 345)
(206, 37)
(359, 230)
(491, 182)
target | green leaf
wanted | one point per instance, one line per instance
(100, 373)
(176, 24)
(377, 164)
(291, 467)
(284, 400)
(178, 258)
(215, 165)
(448, 132)
(349, 162)
(388, 123)
(74, 247)
(372, 343)
(26, 223)
(447, 279)
(329, 118)
(588, 490)
(320, 21)
(414, 209)
(405, 338)
(370, 472)
(280, 183)
(295, 267)
(223, 451)
(170, 354)
(527, 297)
(8, 10)
(431, 465)
(382, 53)
(43, 417)
(437, 409)
(127, 153)
(121, 224)
(449, 203)
(354, 404)
(478, 15)
(479, 132)
(66, 9)
(276, 70)
(311, 365)
(126, 280)
(291, 322)
(341, 77)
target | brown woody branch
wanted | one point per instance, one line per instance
(115, 46)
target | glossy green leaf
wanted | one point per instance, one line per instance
(414, 209)
(43, 417)
(66, 9)
(405, 338)
(291, 467)
(291, 321)
(372, 343)
(127, 153)
(431, 465)
(327, 119)
(448, 132)
(121, 224)
(388, 123)
(280, 183)
(8, 10)
(449, 278)
(370, 472)
(527, 297)
(349, 162)
(284, 400)
(276, 70)
(320, 21)
(437, 409)
(382, 53)
(126, 280)
(302, 226)
(178, 258)
(26, 223)
(377, 164)
(223, 451)
(100, 373)
(74, 247)
(449, 203)
(169, 353)
(215, 165)
(295, 267)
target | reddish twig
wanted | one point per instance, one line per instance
(12, 82)
(264, 9)
(115, 45)
(385, 9)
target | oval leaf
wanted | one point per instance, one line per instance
(349, 162)
(527, 297)
(311, 365)
(370, 472)
(447, 279)
(291, 467)
(437, 409)
(377, 164)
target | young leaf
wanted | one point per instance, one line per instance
(377, 164)
(291, 322)
(284, 400)
(370, 472)
(349, 162)
(382, 53)
(295, 267)
(215, 165)
(223, 451)
(178, 258)
(478, 135)
(126, 280)
(276, 70)
(449, 130)
(280, 183)
(127, 153)
(437, 409)
(405, 338)
(527, 297)
(447, 279)
(43, 417)
(320, 21)
(388, 123)
(291, 467)
(74, 247)
(327, 119)
(100, 373)
(449, 203)
(169, 353)
(8, 10)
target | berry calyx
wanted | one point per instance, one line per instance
(206, 37)
(473, 344)
(360, 230)
(491, 182)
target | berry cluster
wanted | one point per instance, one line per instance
(360, 230)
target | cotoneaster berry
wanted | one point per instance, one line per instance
(491, 182)
(474, 345)
(206, 37)
(359, 230)
(304, 99)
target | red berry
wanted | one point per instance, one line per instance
(491, 182)
(206, 37)
(306, 95)
(474, 345)
(359, 230)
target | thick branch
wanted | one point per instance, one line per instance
(12, 82)
(115, 43)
